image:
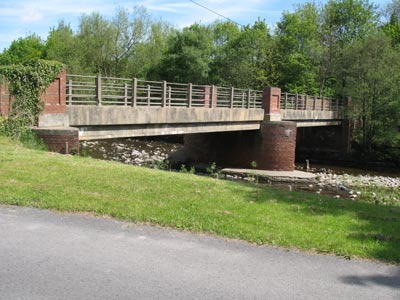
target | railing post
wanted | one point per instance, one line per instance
(323, 100)
(315, 103)
(134, 92)
(148, 95)
(169, 96)
(248, 98)
(296, 105)
(98, 89)
(69, 92)
(189, 95)
(337, 104)
(125, 94)
(214, 96)
(286, 98)
(242, 99)
(164, 94)
(305, 105)
(232, 96)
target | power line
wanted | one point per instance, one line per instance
(214, 12)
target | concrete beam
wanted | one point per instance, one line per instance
(122, 131)
(80, 116)
(318, 123)
(310, 115)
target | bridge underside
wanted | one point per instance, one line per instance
(122, 131)
(312, 118)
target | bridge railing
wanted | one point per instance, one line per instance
(97, 90)
(306, 102)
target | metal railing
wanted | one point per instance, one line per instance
(306, 102)
(97, 90)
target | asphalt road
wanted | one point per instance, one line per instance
(47, 255)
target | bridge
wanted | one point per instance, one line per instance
(94, 107)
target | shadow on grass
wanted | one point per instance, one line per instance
(372, 223)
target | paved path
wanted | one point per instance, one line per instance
(45, 255)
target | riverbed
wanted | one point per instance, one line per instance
(336, 181)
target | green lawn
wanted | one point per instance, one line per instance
(253, 213)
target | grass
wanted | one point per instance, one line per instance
(245, 211)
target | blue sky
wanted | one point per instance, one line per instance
(19, 18)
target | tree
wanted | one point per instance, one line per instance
(188, 56)
(372, 80)
(96, 38)
(344, 22)
(23, 49)
(62, 45)
(242, 58)
(128, 32)
(224, 33)
(298, 50)
(148, 54)
(392, 24)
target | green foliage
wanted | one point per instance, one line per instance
(183, 169)
(26, 83)
(188, 56)
(130, 44)
(23, 49)
(162, 165)
(212, 169)
(346, 21)
(62, 45)
(392, 25)
(214, 172)
(371, 68)
(245, 60)
(148, 54)
(298, 50)
(3, 122)
(253, 164)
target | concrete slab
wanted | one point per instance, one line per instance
(276, 176)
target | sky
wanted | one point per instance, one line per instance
(19, 18)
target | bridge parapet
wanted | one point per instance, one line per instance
(97, 90)
(306, 102)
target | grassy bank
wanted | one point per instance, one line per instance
(245, 211)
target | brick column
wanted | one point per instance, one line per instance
(207, 91)
(277, 148)
(55, 107)
(271, 103)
